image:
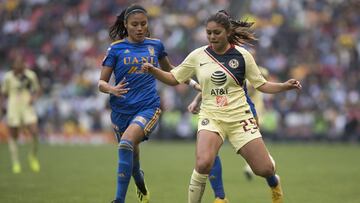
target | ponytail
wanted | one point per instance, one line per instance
(240, 32)
(118, 30)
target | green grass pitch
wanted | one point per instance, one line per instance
(312, 173)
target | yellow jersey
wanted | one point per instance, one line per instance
(19, 88)
(221, 78)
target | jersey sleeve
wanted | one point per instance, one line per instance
(252, 72)
(110, 58)
(186, 69)
(162, 52)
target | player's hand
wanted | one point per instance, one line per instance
(194, 107)
(119, 90)
(292, 84)
(147, 67)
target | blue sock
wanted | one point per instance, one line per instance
(215, 178)
(138, 175)
(272, 181)
(125, 166)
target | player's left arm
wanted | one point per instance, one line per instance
(194, 106)
(275, 87)
(2, 107)
(253, 74)
(165, 64)
(36, 89)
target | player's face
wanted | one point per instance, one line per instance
(137, 27)
(217, 36)
(18, 65)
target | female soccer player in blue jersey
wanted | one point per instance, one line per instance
(134, 101)
(221, 69)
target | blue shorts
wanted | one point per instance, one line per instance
(146, 119)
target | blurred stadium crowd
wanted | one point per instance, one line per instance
(315, 41)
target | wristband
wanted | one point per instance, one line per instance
(193, 83)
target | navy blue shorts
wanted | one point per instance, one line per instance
(146, 119)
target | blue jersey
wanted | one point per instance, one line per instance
(126, 59)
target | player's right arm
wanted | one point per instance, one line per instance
(108, 65)
(104, 86)
(167, 66)
(194, 106)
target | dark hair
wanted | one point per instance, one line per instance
(118, 29)
(240, 32)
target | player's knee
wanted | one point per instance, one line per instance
(265, 170)
(126, 145)
(203, 165)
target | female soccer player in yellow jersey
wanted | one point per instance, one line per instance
(21, 88)
(221, 69)
(254, 99)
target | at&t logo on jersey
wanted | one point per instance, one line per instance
(219, 78)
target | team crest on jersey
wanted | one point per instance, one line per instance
(233, 63)
(140, 119)
(205, 121)
(151, 50)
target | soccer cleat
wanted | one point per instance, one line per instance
(277, 193)
(34, 163)
(218, 200)
(141, 197)
(16, 168)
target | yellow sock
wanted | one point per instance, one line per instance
(196, 187)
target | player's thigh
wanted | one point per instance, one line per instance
(14, 132)
(148, 120)
(135, 127)
(29, 117)
(32, 128)
(13, 118)
(257, 156)
(133, 133)
(208, 144)
(242, 132)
